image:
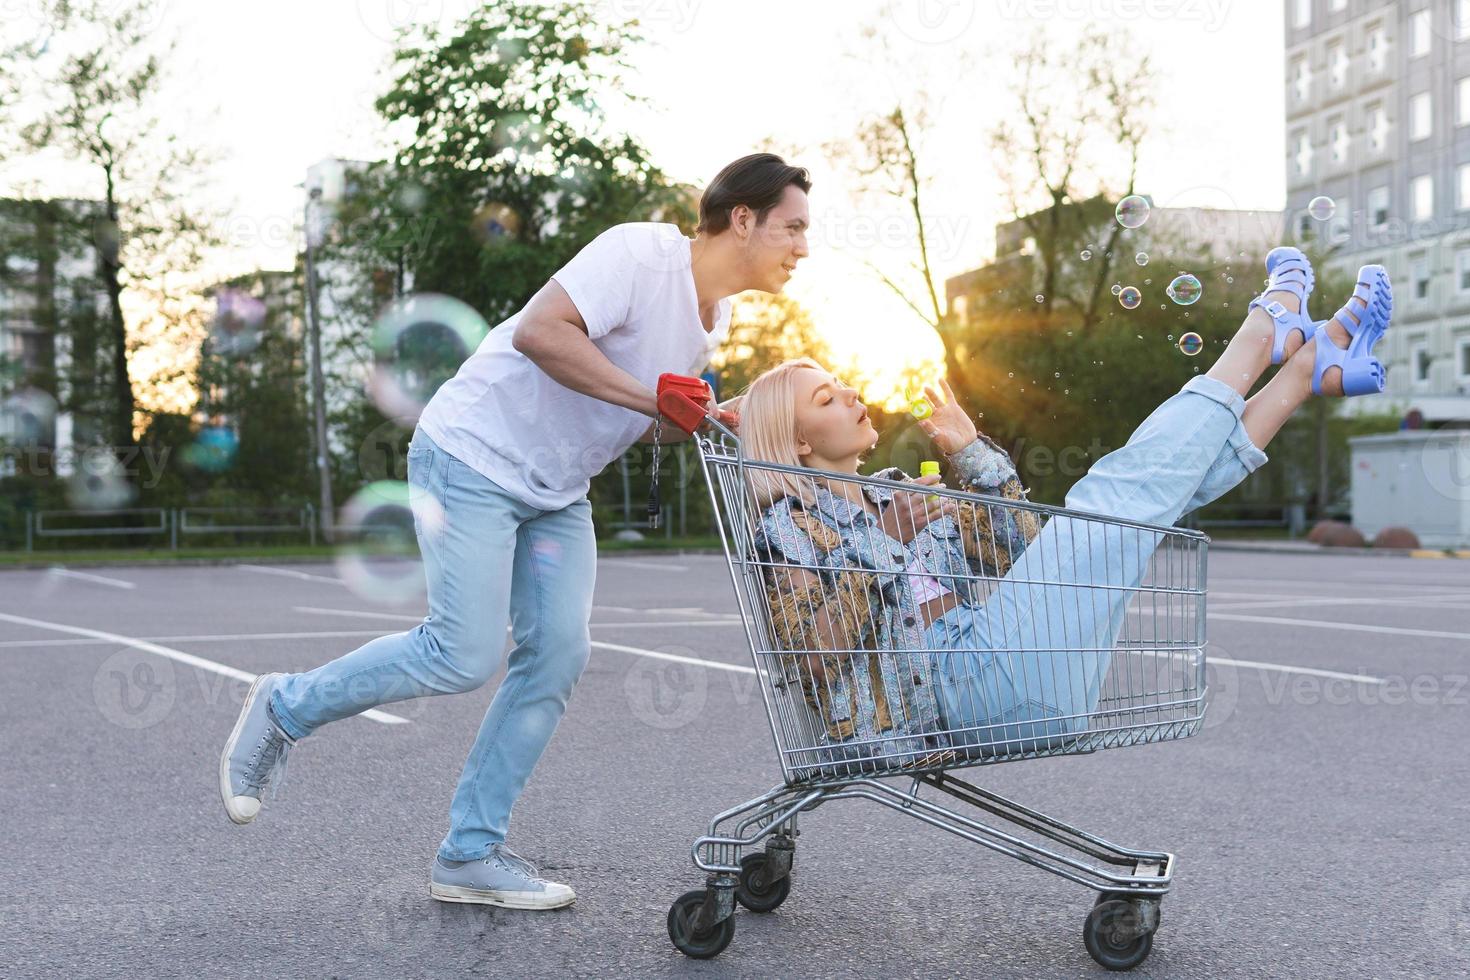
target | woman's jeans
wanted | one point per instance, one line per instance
(491, 558)
(1024, 671)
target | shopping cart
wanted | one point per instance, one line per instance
(1112, 648)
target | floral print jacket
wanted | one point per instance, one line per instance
(852, 571)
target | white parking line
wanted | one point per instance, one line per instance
(1445, 601)
(1350, 627)
(1310, 671)
(360, 613)
(652, 566)
(666, 611)
(179, 655)
(197, 638)
(292, 573)
(116, 583)
(660, 655)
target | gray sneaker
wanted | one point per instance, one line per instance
(254, 754)
(502, 878)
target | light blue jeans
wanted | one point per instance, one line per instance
(1024, 670)
(493, 559)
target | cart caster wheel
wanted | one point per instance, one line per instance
(698, 945)
(1110, 935)
(1125, 897)
(757, 893)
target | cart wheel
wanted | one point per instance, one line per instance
(757, 893)
(1109, 935)
(1124, 897)
(699, 945)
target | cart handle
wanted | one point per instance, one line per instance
(677, 396)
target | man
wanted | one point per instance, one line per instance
(500, 463)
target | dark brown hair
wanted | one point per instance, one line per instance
(756, 181)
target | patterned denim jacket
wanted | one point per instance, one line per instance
(871, 605)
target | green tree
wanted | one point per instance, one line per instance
(508, 168)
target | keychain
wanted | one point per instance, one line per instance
(653, 501)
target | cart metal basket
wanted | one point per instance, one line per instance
(1090, 635)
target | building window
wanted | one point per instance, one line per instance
(1338, 139)
(1462, 19)
(1303, 153)
(1336, 5)
(1377, 127)
(1420, 363)
(1337, 64)
(1378, 207)
(1419, 277)
(961, 307)
(1301, 79)
(1421, 118)
(1462, 187)
(1377, 48)
(1462, 270)
(1419, 35)
(1421, 197)
(1301, 13)
(1462, 357)
(1303, 226)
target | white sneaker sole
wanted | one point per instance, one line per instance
(505, 900)
(227, 795)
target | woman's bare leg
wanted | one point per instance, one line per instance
(1248, 354)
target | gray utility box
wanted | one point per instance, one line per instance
(1414, 478)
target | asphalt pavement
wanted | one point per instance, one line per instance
(1318, 818)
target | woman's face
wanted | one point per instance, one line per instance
(832, 425)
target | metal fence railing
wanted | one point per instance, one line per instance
(173, 522)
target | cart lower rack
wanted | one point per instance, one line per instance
(888, 657)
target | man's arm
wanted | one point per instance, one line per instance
(672, 433)
(554, 336)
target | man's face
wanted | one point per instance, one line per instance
(773, 247)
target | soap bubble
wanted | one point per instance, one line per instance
(213, 450)
(238, 317)
(376, 550)
(1191, 344)
(28, 418)
(1040, 298)
(1130, 297)
(1086, 254)
(1132, 211)
(1184, 290)
(100, 482)
(1322, 207)
(1117, 288)
(419, 343)
(1141, 258)
(495, 224)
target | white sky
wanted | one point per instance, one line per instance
(274, 86)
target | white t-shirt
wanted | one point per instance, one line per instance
(543, 442)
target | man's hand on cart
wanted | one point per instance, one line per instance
(950, 426)
(910, 511)
(727, 412)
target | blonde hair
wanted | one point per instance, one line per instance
(768, 433)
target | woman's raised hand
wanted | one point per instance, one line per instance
(910, 511)
(950, 426)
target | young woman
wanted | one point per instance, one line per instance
(855, 572)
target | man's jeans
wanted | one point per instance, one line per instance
(1025, 669)
(492, 558)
